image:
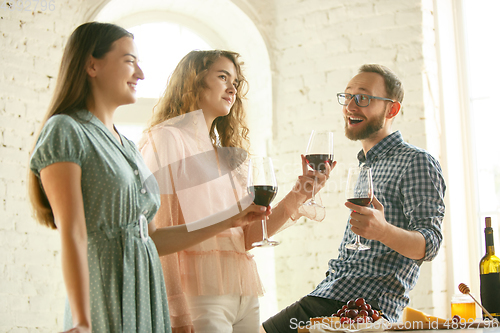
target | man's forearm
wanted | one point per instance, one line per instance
(410, 244)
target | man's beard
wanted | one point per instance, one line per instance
(371, 127)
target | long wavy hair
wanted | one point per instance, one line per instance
(72, 91)
(183, 91)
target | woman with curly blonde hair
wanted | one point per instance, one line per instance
(196, 145)
(185, 87)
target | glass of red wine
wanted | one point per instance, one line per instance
(359, 191)
(319, 152)
(262, 187)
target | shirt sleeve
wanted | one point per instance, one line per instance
(423, 189)
(61, 140)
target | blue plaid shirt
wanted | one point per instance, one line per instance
(408, 181)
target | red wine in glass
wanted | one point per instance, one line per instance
(360, 201)
(359, 191)
(319, 151)
(318, 161)
(262, 187)
(262, 195)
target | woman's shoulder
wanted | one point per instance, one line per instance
(61, 140)
(63, 125)
(162, 144)
(66, 123)
(163, 136)
(61, 120)
(165, 130)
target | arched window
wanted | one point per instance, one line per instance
(161, 46)
(158, 59)
(221, 25)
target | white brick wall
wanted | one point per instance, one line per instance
(31, 288)
(315, 47)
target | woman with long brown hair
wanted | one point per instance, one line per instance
(90, 182)
(195, 145)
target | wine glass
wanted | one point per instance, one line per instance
(319, 151)
(359, 191)
(262, 187)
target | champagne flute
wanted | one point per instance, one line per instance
(319, 151)
(359, 191)
(262, 187)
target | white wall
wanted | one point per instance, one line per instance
(31, 288)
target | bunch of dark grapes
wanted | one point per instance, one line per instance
(357, 311)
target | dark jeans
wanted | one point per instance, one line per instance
(300, 312)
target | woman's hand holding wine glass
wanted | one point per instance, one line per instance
(249, 215)
(312, 179)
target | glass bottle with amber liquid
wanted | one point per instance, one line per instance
(489, 268)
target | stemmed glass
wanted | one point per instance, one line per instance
(359, 191)
(319, 151)
(262, 187)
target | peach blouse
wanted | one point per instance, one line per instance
(194, 188)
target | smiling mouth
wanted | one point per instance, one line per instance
(227, 100)
(354, 120)
(132, 85)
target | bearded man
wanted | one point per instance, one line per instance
(402, 226)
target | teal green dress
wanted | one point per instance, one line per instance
(127, 289)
